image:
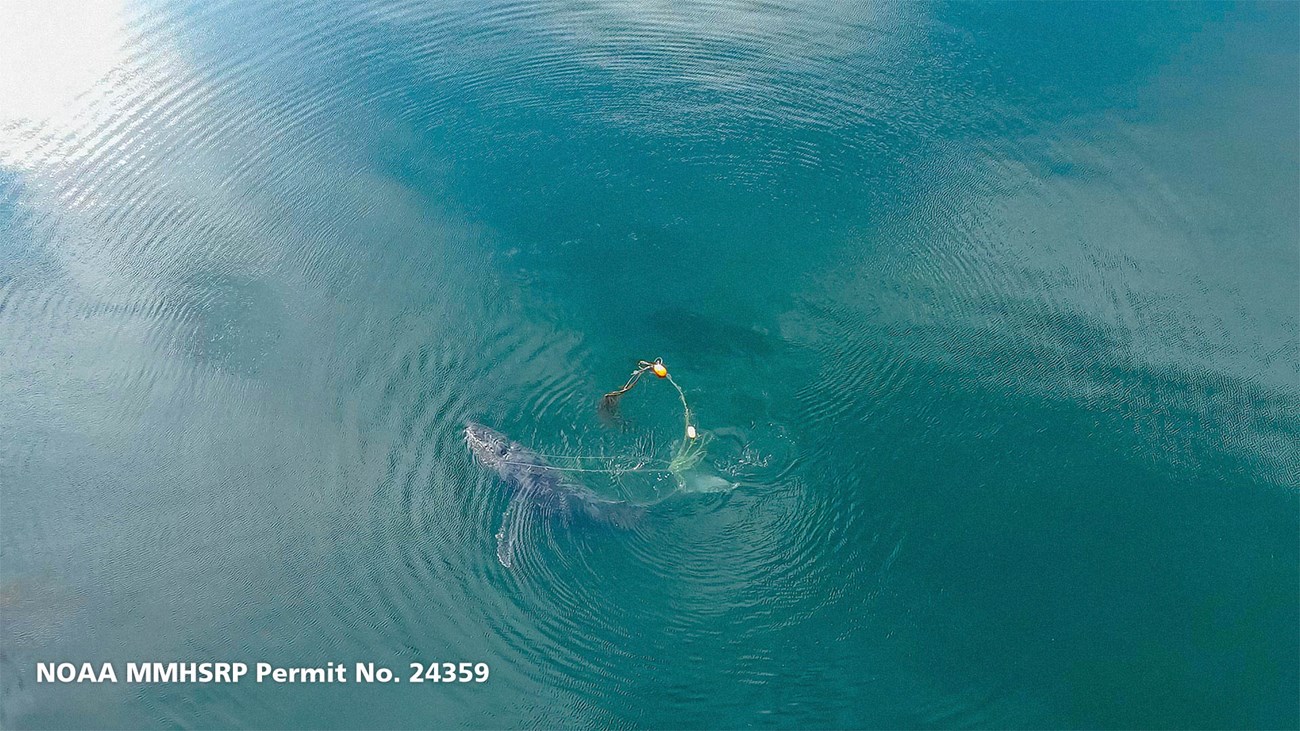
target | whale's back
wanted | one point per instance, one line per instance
(539, 487)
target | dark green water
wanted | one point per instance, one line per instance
(991, 313)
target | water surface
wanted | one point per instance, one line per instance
(991, 312)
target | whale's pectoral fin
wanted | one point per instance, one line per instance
(512, 527)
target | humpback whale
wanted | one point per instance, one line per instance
(538, 485)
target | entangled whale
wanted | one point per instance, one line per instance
(540, 485)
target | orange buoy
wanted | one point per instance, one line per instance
(659, 370)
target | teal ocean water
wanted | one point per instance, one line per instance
(989, 312)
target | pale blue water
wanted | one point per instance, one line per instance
(990, 311)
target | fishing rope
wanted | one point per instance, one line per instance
(659, 369)
(608, 471)
(688, 454)
(597, 457)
